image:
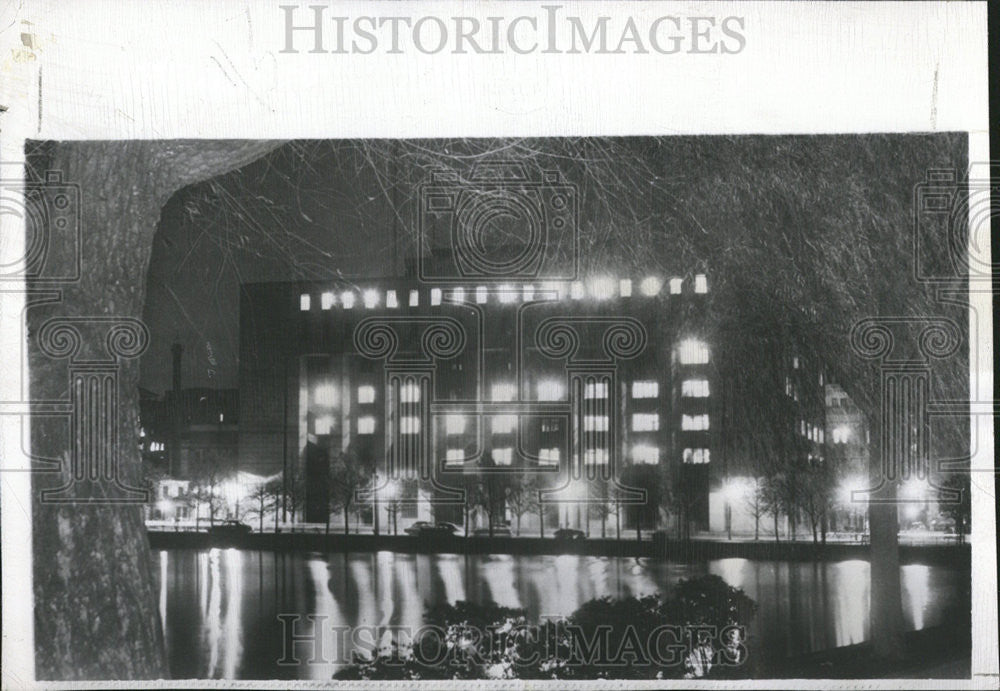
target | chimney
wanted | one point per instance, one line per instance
(176, 414)
(177, 349)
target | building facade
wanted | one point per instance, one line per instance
(591, 392)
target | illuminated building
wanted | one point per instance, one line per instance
(432, 385)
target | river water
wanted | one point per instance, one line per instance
(220, 608)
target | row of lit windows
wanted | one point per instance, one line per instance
(695, 456)
(599, 289)
(811, 432)
(326, 395)
(841, 434)
(643, 454)
(694, 423)
(505, 424)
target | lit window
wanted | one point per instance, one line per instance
(696, 456)
(390, 299)
(326, 300)
(503, 392)
(324, 424)
(841, 434)
(788, 386)
(795, 362)
(304, 302)
(645, 389)
(366, 425)
(414, 298)
(370, 298)
(603, 289)
(554, 290)
(409, 393)
(549, 456)
(528, 292)
(625, 288)
(675, 285)
(504, 424)
(802, 427)
(646, 454)
(454, 424)
(576, 290)
(458, 295)
(366, 394)
(695, 388)
(822, 434)
(596, 390)
(481, 295)
(645, 422)
(692, 352)
(700, 283)
(347, 299)
(821, 379)
(325, 395)
(595, 456)
(595, 423)
(550, 424)
(507, 294)
(435, 296)
(222, 417)
(503, 456)
(409, 424)
(455, 456)
(650, 286)
(694, 423)
(551, 390)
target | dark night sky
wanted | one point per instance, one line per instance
(767, 211)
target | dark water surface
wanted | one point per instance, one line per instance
(220, 607)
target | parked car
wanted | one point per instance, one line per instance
(498, 531)
(426, 528)
(569, 534)
(418, 527)
(230, 529)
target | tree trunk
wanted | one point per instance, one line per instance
(886, 590)
(776, 537)
(347, 524)
(96, 614)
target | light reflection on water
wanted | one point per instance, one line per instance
(220, 607)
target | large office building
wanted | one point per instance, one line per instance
(572, 384)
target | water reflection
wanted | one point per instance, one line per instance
(220, 608)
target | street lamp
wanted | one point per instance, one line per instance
(732, 490)
(391, 492)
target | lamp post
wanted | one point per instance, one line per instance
(375, 506)
(391, 492)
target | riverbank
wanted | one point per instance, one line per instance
(937, 652)
(957, 555)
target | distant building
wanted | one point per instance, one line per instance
(847, 449)
(187, 432)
